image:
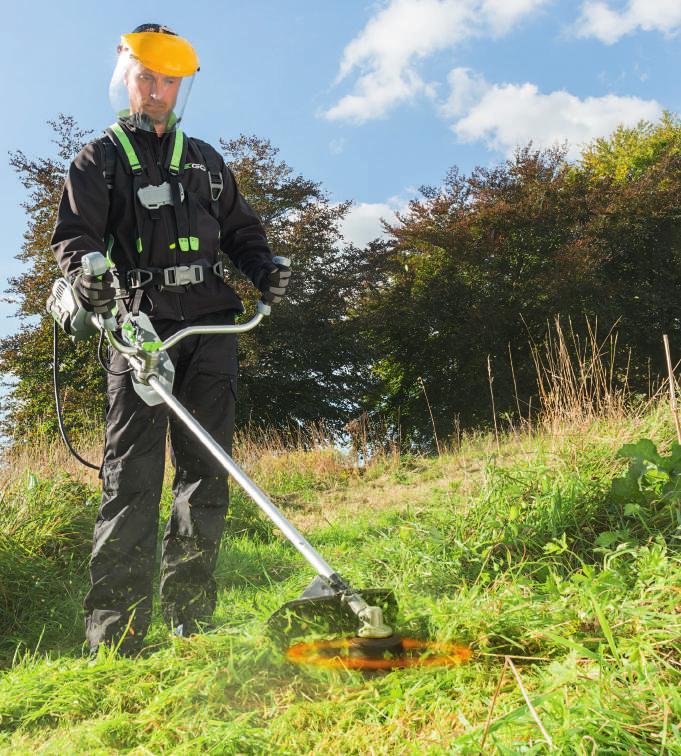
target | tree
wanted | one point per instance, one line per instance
(486, 262)
(27, 354)
(308, 363)
(474, 261)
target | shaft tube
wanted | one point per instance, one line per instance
(255, 492)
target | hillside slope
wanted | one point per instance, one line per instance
(523, 552)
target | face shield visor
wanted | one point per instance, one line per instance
(152, 80)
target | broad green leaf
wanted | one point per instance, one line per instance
(608, 538)
(643, 449)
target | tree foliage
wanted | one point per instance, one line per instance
(307, 364)
(26, 356)
(483, 264)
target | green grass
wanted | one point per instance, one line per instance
(523, 552)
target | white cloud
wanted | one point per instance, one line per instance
(403, 32)
(599, 20)
(465, 90)
(505, 116)
(362, 224)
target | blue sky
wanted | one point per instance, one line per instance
(372, 99)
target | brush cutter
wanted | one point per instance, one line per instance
(329, 600)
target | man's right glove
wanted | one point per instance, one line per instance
(96, 293)
(275, 280)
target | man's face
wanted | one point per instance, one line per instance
(151, 93)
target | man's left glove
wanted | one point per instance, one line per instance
(96, 293)
(274, 280)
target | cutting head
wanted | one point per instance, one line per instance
(320, 629)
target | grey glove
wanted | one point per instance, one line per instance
(96, 293)
(274, 280)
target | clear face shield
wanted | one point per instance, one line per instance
(152, 80)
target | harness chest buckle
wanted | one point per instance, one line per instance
(154, 196)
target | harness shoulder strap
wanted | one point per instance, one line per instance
(214, 162)
(118, 136)
(178, 153)
(136, 169)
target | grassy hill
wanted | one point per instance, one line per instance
(568, 591)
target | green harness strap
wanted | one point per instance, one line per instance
(185, 241)
(126, 144)
(178, 145)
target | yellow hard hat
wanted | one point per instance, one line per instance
(164, 53)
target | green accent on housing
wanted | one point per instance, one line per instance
(193, 243)
(152, 346)
(178, 143)
(172, 246)
(128, 329)
(126, 144)
(184, 243)
(138, 244)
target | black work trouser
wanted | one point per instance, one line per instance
(125, 535)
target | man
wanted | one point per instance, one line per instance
(165, 208)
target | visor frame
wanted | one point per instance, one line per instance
(167, 54)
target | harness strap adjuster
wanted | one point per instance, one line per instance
(216, 185)
(137, 278)
(219, 269)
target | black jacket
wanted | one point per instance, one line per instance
(89, 212)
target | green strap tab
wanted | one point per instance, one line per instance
(178, 144)
(109, 247)
(129, 150)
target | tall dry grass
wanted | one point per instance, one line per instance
(266, 453)
(583, 378)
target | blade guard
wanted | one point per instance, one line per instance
(321, 611)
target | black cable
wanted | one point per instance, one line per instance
(57, 400)
(103, 363)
